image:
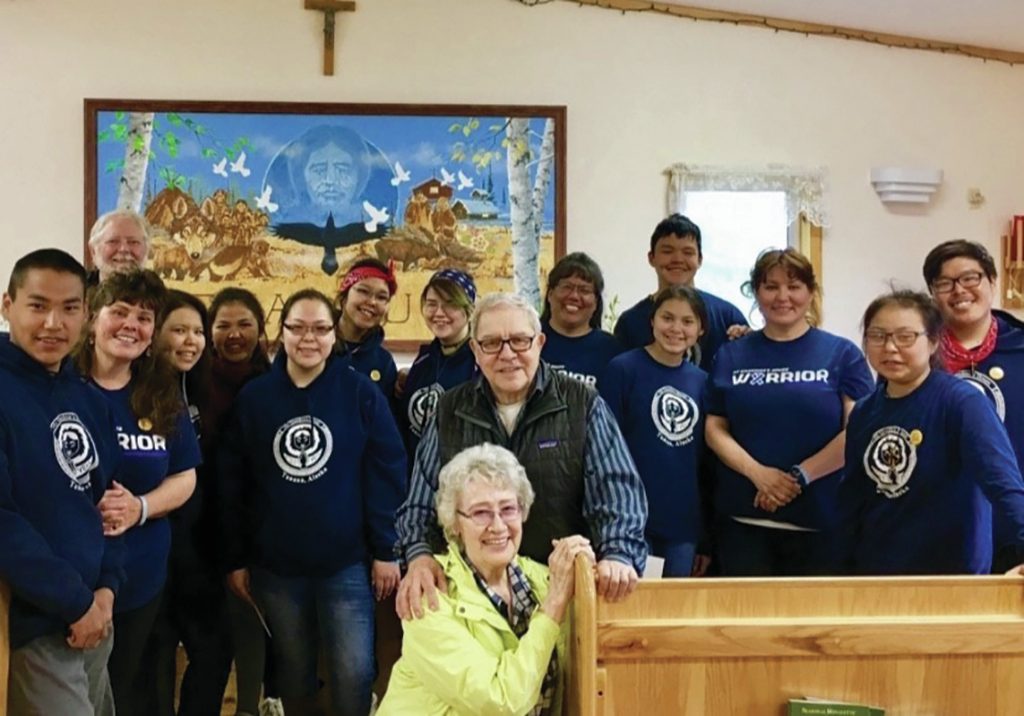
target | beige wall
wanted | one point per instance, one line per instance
(643, 91)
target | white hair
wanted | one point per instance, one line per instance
(486, 463)
(104, 221)
(495, 301)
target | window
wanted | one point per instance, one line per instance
(735, 227)
(741, 212)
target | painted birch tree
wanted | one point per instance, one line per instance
(526, 201)
(136, 158)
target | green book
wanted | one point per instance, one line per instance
(820, 707)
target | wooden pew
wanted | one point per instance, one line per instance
(931, 646)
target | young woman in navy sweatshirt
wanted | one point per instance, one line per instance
(571, 320)
(446, 304)
(314, 469)
(363, 299)
(657, 397)
(778, 400)
(193, 610)
(927, 459)
(159, 453)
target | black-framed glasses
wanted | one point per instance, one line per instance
(968, 279)
(518, 344)
(301, 330)
(901, 339)
(483, 516)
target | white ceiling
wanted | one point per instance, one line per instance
(988, 23)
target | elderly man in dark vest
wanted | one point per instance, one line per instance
(563, 434)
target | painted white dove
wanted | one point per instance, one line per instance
(220, 167)
(401, 175)
(238, 167)
(263, 202)
(447, 178)
(377, 216)
(464, 182)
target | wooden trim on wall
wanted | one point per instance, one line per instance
(805, 28)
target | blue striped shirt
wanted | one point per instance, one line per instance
(614, 501)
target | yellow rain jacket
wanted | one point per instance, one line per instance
(464, 659)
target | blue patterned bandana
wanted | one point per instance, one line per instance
(461, 279)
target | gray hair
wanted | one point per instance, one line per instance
(104, 221)
(486, 463)
(494, 301)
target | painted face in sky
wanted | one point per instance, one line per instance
(332, 176)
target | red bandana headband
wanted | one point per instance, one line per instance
(364, 272)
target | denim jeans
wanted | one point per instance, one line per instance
(678, 556)
(333, 615)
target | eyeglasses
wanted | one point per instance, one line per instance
(431, 307)
(518, 344)
(484, 517)
(300, 330)
(971, 279)
(567, 289)
(901, 339)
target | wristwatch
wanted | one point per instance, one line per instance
(801, 476)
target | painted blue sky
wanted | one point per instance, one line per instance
(422, 145)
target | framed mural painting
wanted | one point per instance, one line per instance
(274, 196)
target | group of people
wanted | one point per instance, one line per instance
(166, 477)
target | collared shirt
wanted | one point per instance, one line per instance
(518, 615)
(614, 501)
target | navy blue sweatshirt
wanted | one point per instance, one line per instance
(311, 477)
(660, 410)
(784, 403)
(431, 374)
(918, 471)
(372, 359)
(633, 329)
(57, 457)
(146, 459)
(1000, 376)
(581, 357)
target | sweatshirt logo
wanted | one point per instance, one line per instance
(302, 447)
(890, 459)
(581, 377)
(769, 376)
(675, 415)
(988, 387)
(422, 406)
(75, 450)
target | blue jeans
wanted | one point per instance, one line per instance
(678, 556)
(333, 615)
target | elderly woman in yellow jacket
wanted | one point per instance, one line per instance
(497, 643)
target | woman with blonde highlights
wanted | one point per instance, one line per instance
(778, 400)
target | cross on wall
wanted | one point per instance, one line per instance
(329, 8)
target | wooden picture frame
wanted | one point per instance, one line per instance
(277, 196)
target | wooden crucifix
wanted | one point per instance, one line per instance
(328, 8)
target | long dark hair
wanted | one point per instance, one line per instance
(233, 294)
(197, 380)
(155, 393)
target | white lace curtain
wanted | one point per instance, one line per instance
(804, 188)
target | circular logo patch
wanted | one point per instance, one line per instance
(890, 460)
(74, 449)
(675, 415)
(422, 406)
(988, 387)
(302, 447)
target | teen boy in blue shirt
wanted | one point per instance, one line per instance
(676, 256)
(56, 454)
